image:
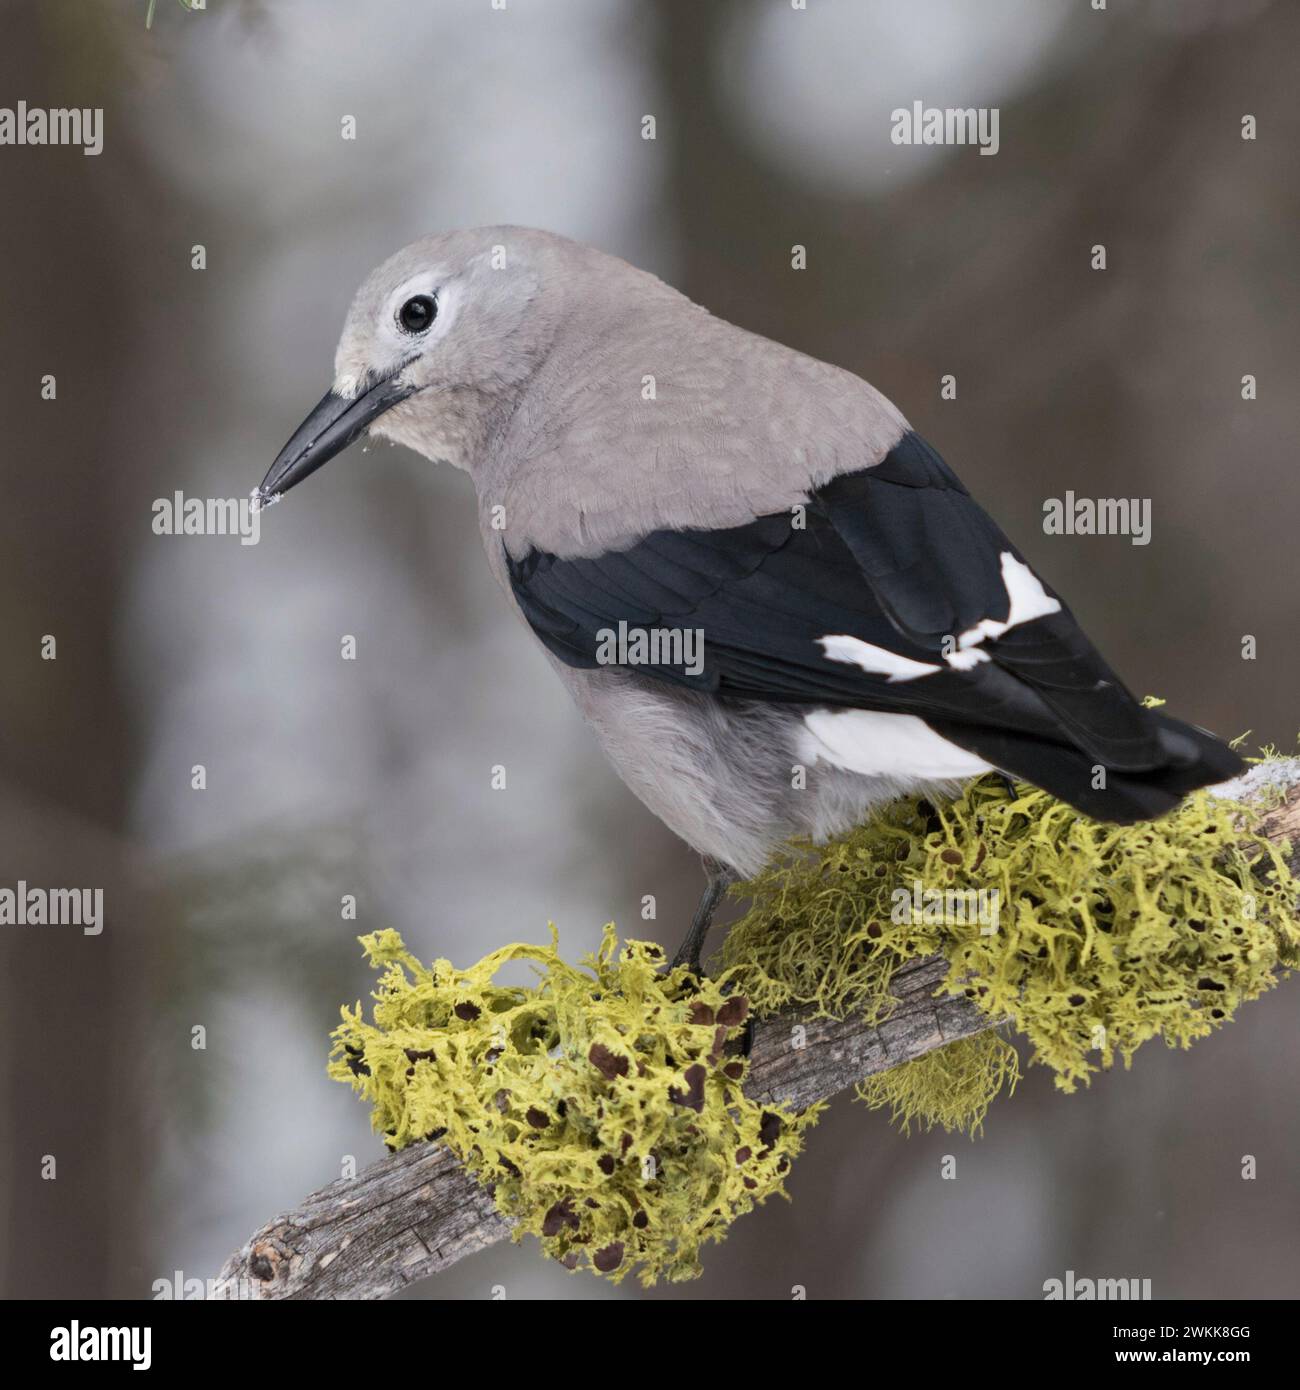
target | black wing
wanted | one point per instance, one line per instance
(900, 557)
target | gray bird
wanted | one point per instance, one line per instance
(773, 602)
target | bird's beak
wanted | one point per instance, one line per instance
(328, 430)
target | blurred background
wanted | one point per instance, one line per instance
(222, 128)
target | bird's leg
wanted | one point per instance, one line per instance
(1010, 785)
(720, 879)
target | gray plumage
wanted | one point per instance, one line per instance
(608, 424)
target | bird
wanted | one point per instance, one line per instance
(771, 599)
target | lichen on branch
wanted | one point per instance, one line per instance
(1104, 936)
(603, 1105)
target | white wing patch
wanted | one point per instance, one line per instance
(1026, 600)
(875, 660)
(878, 744)
(963, 660)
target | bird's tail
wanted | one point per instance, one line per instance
(1190, 758)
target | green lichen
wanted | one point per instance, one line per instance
(602, 1105)
(1107, 936)
(952, 1086)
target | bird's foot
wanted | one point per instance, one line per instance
(692, 947)
(689, 952)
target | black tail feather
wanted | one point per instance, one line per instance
(1193, 758)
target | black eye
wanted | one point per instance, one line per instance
(417, 314)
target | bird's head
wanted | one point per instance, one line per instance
(439, 337)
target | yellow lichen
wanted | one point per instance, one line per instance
(1106, 936)
(952, 1086)
(603, 1106)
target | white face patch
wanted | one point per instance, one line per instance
(878, 744)
(376, 344)
(875, 660)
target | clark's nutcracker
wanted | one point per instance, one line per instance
(774, 603)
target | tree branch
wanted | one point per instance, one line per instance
(416, 1212)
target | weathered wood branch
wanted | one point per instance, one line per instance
(416, 1212)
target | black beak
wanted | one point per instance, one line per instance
(327, 431)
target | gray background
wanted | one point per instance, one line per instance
(326, 777)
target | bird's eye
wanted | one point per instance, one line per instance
(417, 314)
